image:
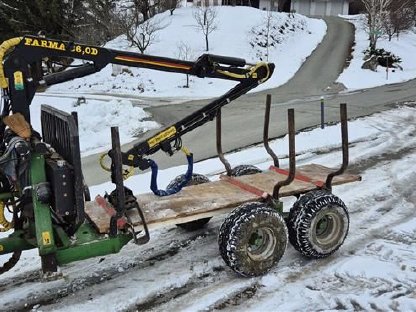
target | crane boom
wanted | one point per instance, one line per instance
(21, 75)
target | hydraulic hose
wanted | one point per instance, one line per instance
(4, 48)
(6, 225)
(177, 188)
(127, 173)
(251, 74)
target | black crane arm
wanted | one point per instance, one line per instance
(21, 75)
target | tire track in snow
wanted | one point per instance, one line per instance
(308, 268)
(294, 268)
(205, 286)
(168, 277)
(356, 242)
(70, 286)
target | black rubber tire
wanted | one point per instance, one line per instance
(196, 179)
(227, 224)
(318, 224)
(252, 239)
(242, 170)
(238, 171)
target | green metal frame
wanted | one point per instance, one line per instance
(88, 244)
(43, 221)
(52, 240)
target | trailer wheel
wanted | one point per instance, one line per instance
(252, 239)
(237, 171)
(228, 223)
(195, 179)
(242, 170)
(318, 224)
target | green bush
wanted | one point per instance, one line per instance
(384, 58)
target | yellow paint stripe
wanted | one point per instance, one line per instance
(166, 134)
(143, 61)
(4, 48)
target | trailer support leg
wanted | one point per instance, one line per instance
(266, 131)
(219, 144)
(117, 179)
(345, 152)
(292, 155)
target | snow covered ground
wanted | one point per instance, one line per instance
(95, 117)
(180, 271)
(230, 39)
(404, 47)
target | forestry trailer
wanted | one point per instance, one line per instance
(42, 184)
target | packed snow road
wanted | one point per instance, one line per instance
(375, 269)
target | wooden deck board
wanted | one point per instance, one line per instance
(205, 200)
(267, 180)
(319, 173)
(191, 200)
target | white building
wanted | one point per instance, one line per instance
(320, 7)
(305, 7)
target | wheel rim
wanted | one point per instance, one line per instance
(324, 224)
(328, 228)
(261, 244)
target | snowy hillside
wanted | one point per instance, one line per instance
(95, 117)
(298, 37)
(404, 47)
(231, 38)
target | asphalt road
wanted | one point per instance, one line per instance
(243, 118)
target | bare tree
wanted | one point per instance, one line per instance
(265, 35)
(377, 13)
(268, 24)
(401, 17)
(206, 20)
(185, 53)
(142, 33)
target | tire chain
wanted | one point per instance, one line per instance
(242, 219)
(238, 171)
(294, 211)
(195, 180)
(243, 170)
(295, 222)
(234, 220)
(229, 222)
